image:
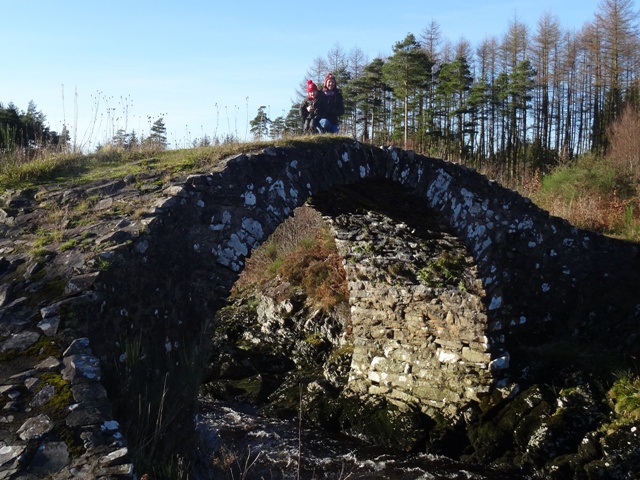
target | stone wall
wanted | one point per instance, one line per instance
(417, 314)
(529, 278)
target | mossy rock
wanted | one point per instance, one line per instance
(320, 405)
(498, 432)
(379, 422)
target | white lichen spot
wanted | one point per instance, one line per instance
(553, 253)
(254, 229)
(438, 189)
(496, 302)
(476, 230)
(226, 218)
(200, 203)
(237, 245)
(224, 256)
(293, 193)
(345, 157)
(167, 345)
(532, 244)
(269, 179)
(278, 187)
(110, 425)
(294, 164)
(522, 320)
(546, 287)
(500, 363)
(196, 247)
(363, 171)
(526, 224)
(249, 198)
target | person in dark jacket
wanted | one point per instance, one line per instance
(312, 109)
(334, 104)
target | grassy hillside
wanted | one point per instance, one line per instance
(591, 193)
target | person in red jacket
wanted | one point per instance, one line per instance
(312, 109)
(334, 104)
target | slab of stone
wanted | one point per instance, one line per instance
(117, 457)
(9, 453)
(35, 427)
(84, 417)
(49, 364)
(80, 283)
(43, 396)
(20, 341)
(88, 393)
(81, 366)
(49, 457)
(14, 322)
(49, 326)
(5, 294)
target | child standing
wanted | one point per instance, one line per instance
(312, 109)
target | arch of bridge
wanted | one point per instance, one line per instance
(536, 271)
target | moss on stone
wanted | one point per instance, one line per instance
(447, 269)
(57, 407)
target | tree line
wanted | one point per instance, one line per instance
(530, 99)
(27, 130)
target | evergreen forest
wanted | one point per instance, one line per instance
(534, 98)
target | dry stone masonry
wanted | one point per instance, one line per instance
(523, 278)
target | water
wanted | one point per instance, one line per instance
(262, 448)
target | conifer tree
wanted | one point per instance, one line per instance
(158, 137)
(260, 124)
(406, 71)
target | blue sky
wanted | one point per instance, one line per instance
(207, 66)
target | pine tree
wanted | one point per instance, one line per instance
(158, 137)
(277, 128)
(406, 71)
(260, 124)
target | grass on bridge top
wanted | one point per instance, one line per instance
(49, 167)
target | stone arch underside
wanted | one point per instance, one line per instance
(418, 320)
(537, 272)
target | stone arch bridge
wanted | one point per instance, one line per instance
(541, 278)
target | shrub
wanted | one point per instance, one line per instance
(624, 143)
(625, 395)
